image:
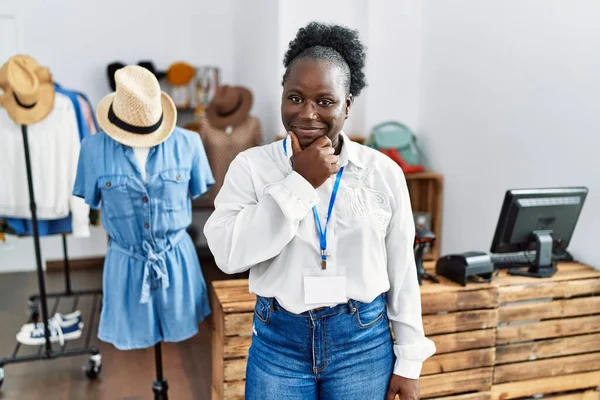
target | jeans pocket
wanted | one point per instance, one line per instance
(262, 310)
(368, 315)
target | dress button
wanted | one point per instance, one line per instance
(178, 177)
(145, 199)
(108, 184)
(146, 225)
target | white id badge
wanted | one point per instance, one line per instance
(325, 289)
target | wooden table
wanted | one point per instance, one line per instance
(512, 338)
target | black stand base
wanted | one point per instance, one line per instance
(543, 266)
(160, 386)
(160, 389)
(546, 272)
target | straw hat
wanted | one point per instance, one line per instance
(230, 106)
(28, 90)
(138, 114)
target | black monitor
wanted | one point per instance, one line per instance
(542, 220)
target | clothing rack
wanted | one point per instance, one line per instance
(35, 302)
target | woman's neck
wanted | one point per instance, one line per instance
(337, 144)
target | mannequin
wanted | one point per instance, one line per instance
(227, 130)
(141, 155)
(143, 171)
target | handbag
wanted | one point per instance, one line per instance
(398, 142)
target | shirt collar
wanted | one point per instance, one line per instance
(349, 152)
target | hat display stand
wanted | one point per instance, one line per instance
(46, 351)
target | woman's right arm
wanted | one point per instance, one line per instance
(245, 230)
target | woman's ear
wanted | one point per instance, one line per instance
(349, 101)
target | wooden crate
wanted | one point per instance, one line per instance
(461, 321)
(232, 311)
(426, 195)
(548, 338)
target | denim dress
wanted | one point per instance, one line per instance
(153, 287)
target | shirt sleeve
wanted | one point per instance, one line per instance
(85, 185)
(404, 298)
(246, 229)
(80, 211)
(201, 177)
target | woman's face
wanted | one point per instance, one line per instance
(314, 101)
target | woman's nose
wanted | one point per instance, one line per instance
(308, 111)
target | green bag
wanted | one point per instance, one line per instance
(394, 135)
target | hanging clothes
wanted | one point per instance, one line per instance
(88, 114)
(24, 227)
(54, 145)
(154, 289)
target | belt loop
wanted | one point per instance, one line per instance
(272, 303)
(351, 307)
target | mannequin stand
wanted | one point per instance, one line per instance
(160, 386)
(46, 351)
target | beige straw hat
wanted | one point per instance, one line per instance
(138, 113)
(28, 90)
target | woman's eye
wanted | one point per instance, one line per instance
(296, 99)
(325, 102)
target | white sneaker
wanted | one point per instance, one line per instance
(59, 332)
(64, 319)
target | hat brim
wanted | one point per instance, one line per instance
(236, 118)
(29, 116)
(135, 139)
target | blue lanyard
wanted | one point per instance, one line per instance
(323, 232)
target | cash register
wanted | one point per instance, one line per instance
(533, 232)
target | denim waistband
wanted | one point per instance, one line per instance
(155, 267)
(349, 307)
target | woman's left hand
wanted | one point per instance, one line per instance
(405, 388)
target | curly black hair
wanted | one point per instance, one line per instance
(333, 43)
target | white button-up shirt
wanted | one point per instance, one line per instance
(54, 149)
(263, 221)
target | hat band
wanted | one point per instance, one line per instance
(112, 117)
(234, 109)
(22, 105)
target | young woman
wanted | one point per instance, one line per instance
(326, 229)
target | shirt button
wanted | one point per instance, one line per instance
(146, 225)
(145, 199)
(108, 184)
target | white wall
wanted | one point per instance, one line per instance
(78, 39)
(509, 99)
(393, 63)
(256, 59)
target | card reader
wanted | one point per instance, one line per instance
(469, 266)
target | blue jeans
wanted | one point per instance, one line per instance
(342, 352)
